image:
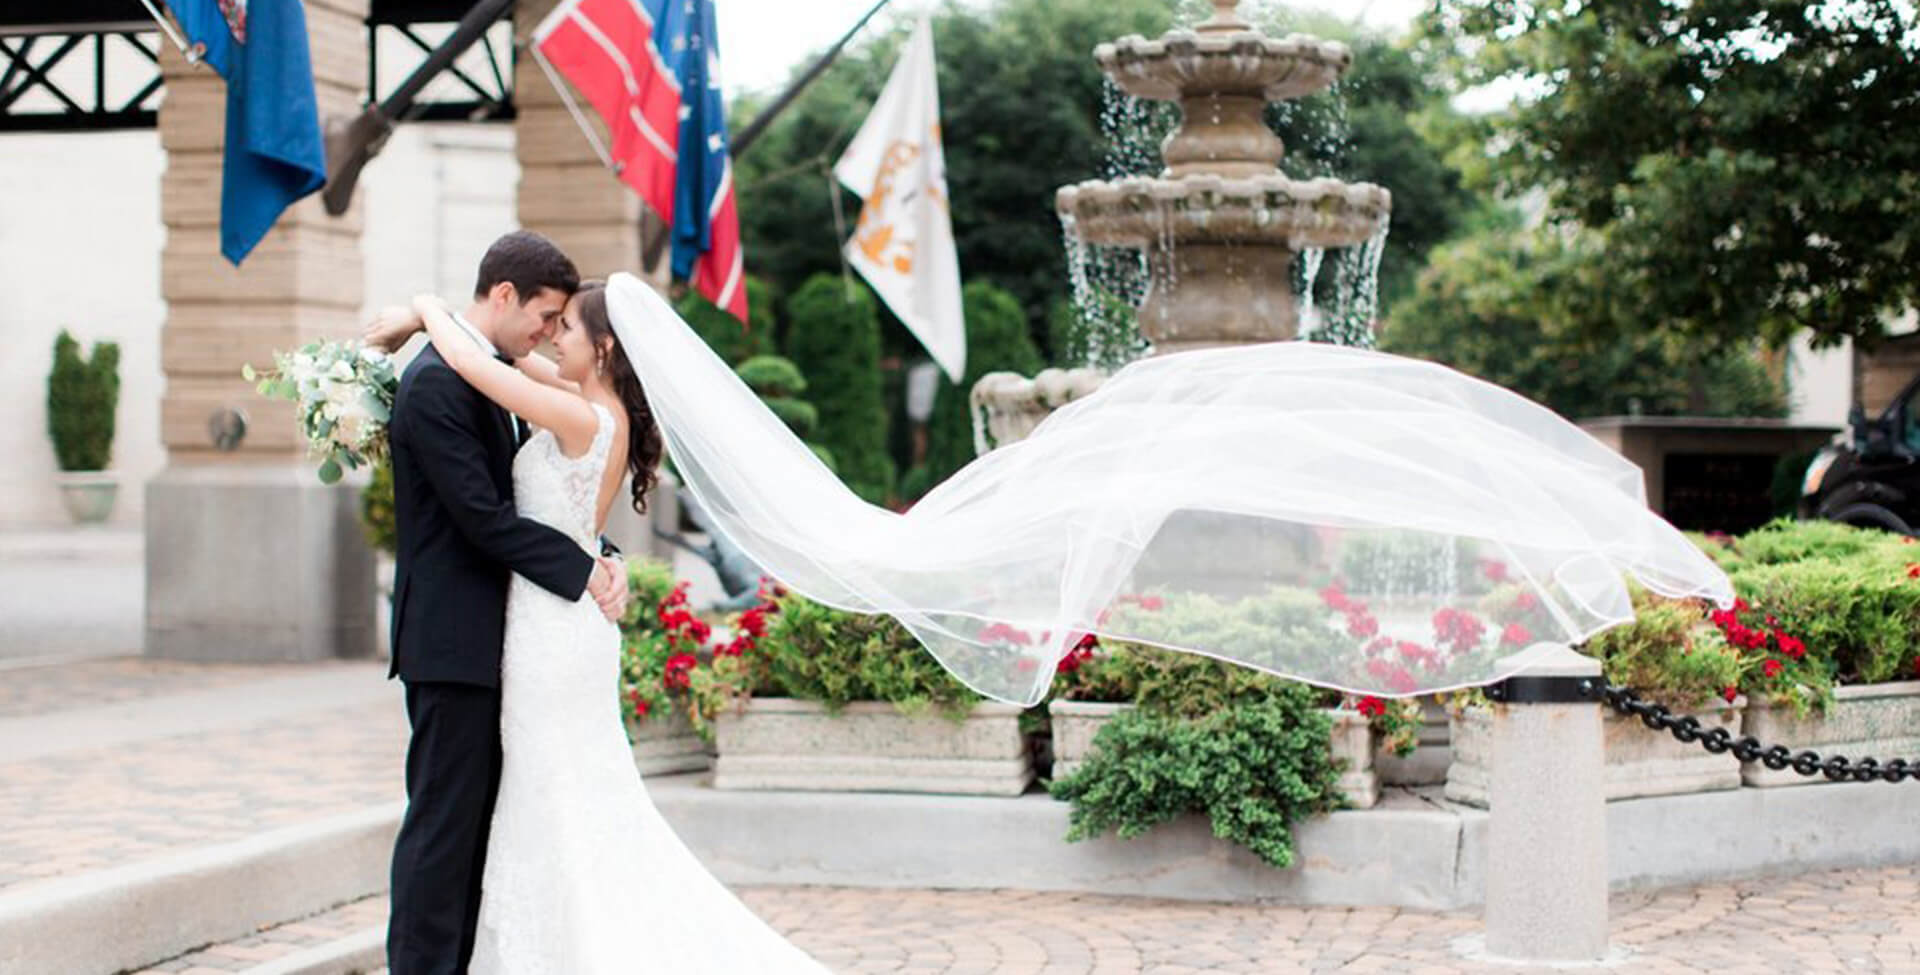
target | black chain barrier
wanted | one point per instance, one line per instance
(1749, 749)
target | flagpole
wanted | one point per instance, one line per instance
(767, 115)
(573, 109)
(166, 27)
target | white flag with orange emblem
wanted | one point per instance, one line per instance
(903, 244)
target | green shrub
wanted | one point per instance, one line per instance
(1859, 618)
(817, 653)
(725, 334)
(1671, 653)
(82, 395)
(997, 341)
(1254, 769)
(834, 339)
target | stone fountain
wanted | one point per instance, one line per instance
(1221, 225)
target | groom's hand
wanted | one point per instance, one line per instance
(608, 586)
(391, 327)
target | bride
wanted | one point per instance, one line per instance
(578, 859)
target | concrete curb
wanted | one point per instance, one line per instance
(125, 917)
(363, 951)
(1413, 851)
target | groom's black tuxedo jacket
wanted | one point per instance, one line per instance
(459, 536)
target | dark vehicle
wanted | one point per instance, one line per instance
(1873, 479)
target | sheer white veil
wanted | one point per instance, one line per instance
(1348, 518)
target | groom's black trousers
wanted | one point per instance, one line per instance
(453, 774)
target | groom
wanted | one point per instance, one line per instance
(459, 542)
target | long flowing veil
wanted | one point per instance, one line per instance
(1348, 518)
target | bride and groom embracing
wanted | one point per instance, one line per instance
(529, 843)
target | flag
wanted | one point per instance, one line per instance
(651, 70)
(903, 244)
(274, 152)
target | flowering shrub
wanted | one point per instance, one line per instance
(661, 642)
(817, 653)
(343, 396)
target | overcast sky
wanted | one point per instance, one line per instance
(762, 40)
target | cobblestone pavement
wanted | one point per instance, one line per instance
(103, 807)
(1843, 921)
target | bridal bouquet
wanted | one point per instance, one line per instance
(343, 393)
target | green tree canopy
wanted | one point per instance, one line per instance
(1491, 305)
(1751, 167)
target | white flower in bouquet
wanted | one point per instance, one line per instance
(342, 394)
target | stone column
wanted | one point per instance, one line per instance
(249, 557)
(1547, 835)
(568, 194)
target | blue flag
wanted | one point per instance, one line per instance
(274, 153)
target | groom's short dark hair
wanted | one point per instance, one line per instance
(529, 262)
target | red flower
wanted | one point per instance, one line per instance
(1361, 626)
(1401, 680)
(754, 621)
(1913, 570)
(1379, 669)
(1516, 635)
(1377, 644)
(1772, 667)
(1371, 706)
(1730, 692)
(1527, 602)
(1333, 597)
(1916, 663)
(1495, 570)
(1789, 645)
(1152, 604)
(641, 706)
(1741, 605)
(679, 672)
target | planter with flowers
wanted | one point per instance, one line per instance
(1835, 613)
(1143, 735)
(826, 700)
(1672, 653)
(661, 642)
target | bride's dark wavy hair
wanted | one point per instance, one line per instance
(645, 446)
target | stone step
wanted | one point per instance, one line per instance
(162, 907)
(347, 940)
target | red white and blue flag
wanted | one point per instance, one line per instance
(651, 69)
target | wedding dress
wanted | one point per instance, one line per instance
(1349, 518)
(583, 876)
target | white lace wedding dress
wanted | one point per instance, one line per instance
(583, 876)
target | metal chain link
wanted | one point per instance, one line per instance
(1749, 749)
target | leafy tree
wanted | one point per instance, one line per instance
(834, 339)
(1747, 166)
(1493, 305)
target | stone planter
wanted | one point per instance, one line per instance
(1428, 763)
(668, 745)
(1076, 722)
(1880, 721)
(780, 743)
(88, 495)
(1639, 761)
